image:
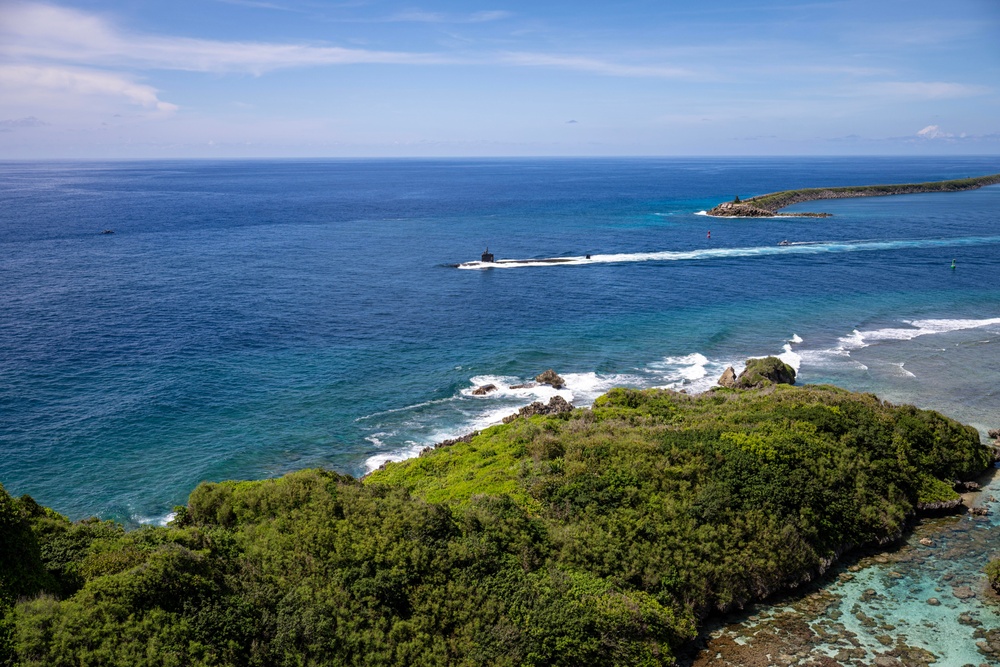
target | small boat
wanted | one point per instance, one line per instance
(785, 242)
(108, 231)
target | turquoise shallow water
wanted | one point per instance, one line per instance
(925, 601)
(248, 318)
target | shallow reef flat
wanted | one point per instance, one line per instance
(925, 602)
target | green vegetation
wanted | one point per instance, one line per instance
(591, 537)
(779, 200)
(773, 202)
(763, 371)
(993, 574)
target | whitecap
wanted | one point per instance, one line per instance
(791, 358)
(903, 370)
(376, 461)
(155, 521)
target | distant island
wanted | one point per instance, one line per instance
(767, 206)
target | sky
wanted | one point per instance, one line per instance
(441, 78)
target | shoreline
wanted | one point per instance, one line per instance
(768, 205)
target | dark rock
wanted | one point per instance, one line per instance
(485, 389)
(526, 385)
(556, 405)
(963, 592)
(728, 378)
(762, 372)
(979, 511)
(965, 487)
(550, 377)
(454, 441)
(934, 602)
(941, 508)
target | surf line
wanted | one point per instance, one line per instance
(723, 253)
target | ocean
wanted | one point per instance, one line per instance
(248, 318)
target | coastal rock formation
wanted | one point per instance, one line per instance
(728, 378)
(743, 209)
(966, 487)
(448, 443)
(556, 405)
(550, 377)
(941, 507)
(768, 205)
(761, 372)
(483, 390)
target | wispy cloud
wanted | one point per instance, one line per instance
(28, 121)
(256, 4)
(25, 80)
(57, 35)
(928, 90)
(49, 33)
(594, 65)
(417, 16)
(916, 90)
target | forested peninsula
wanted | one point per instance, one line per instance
(599, 536)
(767, 206)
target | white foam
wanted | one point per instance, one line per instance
(505, 388)
(791, 358)
(415, 406)
(795, 339)
(375, 462)
(944, 326)
(916, 328)
(694, 372)
(807, 248)
(855, 341)
(903, 370)
(156, 521)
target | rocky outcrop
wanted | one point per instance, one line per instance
(550, 377)
(745, 209)
(728, 378)
(762, 372)
(941, 508)
(448, 443)
(483, 390)
(555, 405)
(768, 205)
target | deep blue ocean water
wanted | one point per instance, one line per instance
(248, 318)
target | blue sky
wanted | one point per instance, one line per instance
(304, 78)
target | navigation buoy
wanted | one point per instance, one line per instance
(710, 233)
(953, 264)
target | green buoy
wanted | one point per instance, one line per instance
(953, 264)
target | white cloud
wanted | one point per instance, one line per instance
(436, 17)
(50, 33)
(933, 132)
(923, 90)
(42, 32)
(22, 81)
(594, 65)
